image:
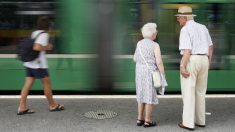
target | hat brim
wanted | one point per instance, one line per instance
(185, 15)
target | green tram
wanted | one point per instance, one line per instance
(94, 42)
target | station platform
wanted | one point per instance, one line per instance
(119, 114)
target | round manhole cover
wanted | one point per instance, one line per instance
(100, 114)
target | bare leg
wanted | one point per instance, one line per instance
(24, 93)
(148, 112)
(141, 111)
(48, 92)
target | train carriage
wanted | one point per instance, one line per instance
(95, 40)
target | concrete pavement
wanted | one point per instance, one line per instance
(167, 114)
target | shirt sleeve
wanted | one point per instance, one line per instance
(42, 39)
(184, 41)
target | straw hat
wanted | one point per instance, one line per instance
(185, 11)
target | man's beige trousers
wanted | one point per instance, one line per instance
(193, 91)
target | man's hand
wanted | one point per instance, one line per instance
(184, 72)
(183, 63)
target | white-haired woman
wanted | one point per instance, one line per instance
(148, 59)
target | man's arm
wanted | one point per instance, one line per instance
(159, 62)
(184, 62)
(210, 54)
(39, 47)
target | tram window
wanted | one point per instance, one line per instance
(18, 19)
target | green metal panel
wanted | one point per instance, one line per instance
(218, 80)
(80, 75)
(66, 74)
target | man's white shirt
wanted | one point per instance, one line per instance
(196, 37)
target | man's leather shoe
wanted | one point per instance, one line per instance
(184, 127)
(200, 125)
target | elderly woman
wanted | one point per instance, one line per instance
(148, 59)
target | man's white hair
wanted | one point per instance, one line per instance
(148, 30)
(190, 17)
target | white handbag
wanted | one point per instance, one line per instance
(156, 79)
(156, 75)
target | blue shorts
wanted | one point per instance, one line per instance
(37, 73)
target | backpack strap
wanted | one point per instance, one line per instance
(144, 59)
(34, 42)
(39, 35)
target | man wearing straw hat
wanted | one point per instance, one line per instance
(196, 48)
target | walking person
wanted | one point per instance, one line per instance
(38, 69)
(196, 48)
(147, 51)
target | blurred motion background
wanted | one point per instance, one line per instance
(94, 42)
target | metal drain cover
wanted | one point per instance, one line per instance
(100, 114)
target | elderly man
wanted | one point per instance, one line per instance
(196, 48)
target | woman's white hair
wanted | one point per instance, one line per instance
(148, 30)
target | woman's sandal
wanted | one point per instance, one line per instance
(150, 124)
(140, 122)
(59, 107)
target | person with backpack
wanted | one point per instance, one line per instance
(38, 69)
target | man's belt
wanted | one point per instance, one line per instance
(199, 54)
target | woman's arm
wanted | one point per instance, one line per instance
(134, 56)
(157, 53)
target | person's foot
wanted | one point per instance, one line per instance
(26, 111)
(140, 122)
(59, 107)
(184, 127)
(149, 124)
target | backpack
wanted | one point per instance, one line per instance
(25, 50)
